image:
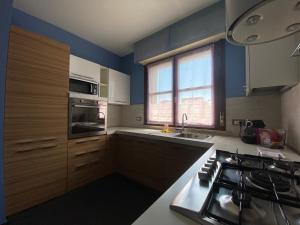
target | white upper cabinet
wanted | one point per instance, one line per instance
(118, 88)
(83, 67)
(270, 67)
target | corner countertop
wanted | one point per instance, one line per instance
(159, 212)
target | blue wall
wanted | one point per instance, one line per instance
(79, 46)
(235, 69)
(136, 72)
(5, 19)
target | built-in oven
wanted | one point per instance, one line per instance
(83, 87)
(87, 117)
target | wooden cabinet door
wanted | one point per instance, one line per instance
(36, 113)
(88, 159)
(156, 164)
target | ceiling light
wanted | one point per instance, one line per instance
(252, 20)
(252, 38)
(293, 27)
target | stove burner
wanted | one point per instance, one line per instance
(261, 179)
(239, 196)
(282, 165)
(253, 212)
(231, 160)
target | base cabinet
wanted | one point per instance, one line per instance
(156, 164)
(88, 159)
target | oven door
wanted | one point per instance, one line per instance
(86, 118)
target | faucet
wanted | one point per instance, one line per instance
(184, 115)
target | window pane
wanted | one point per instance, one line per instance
(160, 108)
(198, 105)
(160, 77)
(195, 70)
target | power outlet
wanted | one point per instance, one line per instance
(237, 122)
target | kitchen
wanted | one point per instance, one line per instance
(96, 124)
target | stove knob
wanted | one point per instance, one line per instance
(210, 165)
(213, 162)
(203, 175)
(207, 169)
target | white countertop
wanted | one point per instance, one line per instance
(159, 212)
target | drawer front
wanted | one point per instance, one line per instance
(86, 146)
(88, 159)
(37, 147)
(86, 174)
(26, 199)
(38, 168)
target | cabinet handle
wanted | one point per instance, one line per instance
(86, 140)
(82, 165)
(86, 152)
(36, 148)
(27, 141)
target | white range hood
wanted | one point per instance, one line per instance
(251, 22)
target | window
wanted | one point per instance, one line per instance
(191, 83)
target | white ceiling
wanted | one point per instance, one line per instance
(112, 24)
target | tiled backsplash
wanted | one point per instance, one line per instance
(291, 116)
(114, 115)
(267, 108)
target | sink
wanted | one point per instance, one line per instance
(193, 135)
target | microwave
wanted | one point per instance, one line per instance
(83, 85)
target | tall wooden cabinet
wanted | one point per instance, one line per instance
(36, 112)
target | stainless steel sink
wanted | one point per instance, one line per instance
(193, 135)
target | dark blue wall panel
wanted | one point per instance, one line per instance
(5, 19)
(136, 72)
(199, 26)
(235, 69)
(79, 46)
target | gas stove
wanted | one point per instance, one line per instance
(236, 189)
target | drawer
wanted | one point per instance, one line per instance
(86, 160)
(39, 147)
(83, 146)
(86, 173)
(22, 175)
(23, 200)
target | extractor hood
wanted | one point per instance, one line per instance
(259, 21)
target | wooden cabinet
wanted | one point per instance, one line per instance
(118, 88)
(88, 159)
(156, 164)
(36, 110)
(270, 66)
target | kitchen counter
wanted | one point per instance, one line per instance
(159, 213)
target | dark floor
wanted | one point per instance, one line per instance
(112, 200)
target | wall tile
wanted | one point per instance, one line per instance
(114, 115)
(267, 108)
(133, 115)
(291, 116)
